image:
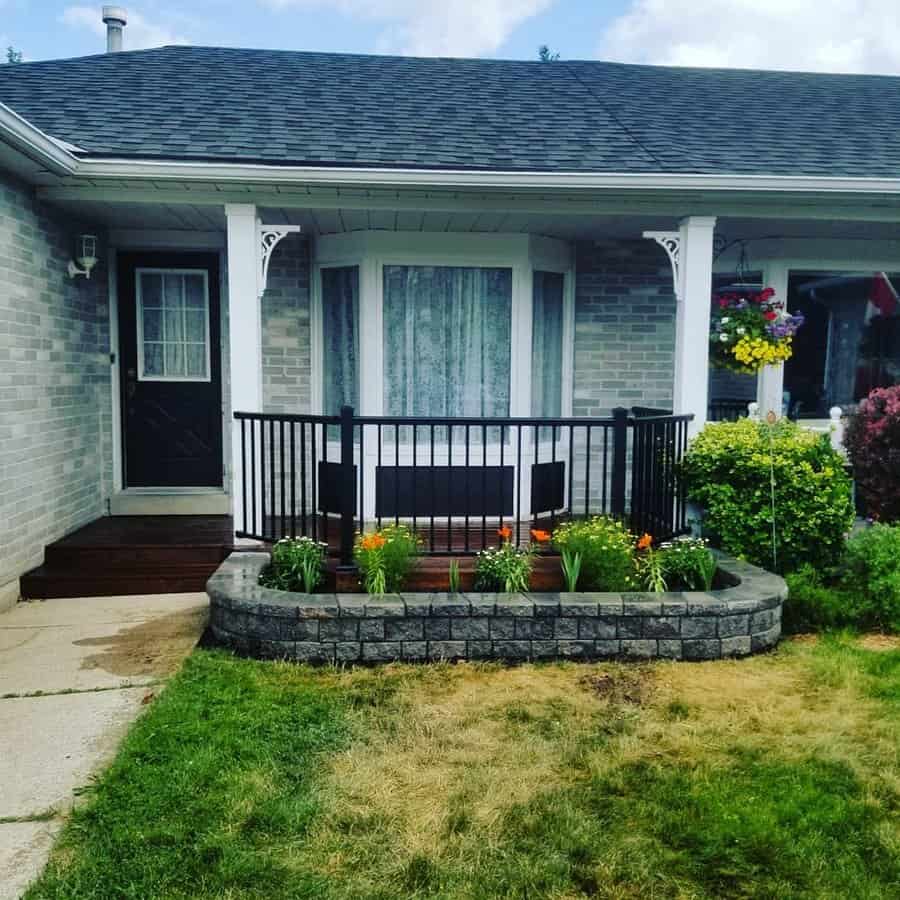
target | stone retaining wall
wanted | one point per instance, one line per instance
(258, 621)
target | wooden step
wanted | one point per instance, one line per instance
(46, 581)
(70, 555)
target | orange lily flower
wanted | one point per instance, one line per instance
(542, 537)
(645, 542)
(373, 541)
(505, 532)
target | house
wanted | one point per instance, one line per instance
(190, 232)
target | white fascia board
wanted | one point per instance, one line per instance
(35, 144)
(161, 170)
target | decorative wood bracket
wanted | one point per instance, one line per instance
(269, 236)
(670, 241)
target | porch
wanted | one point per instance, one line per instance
(326, 297)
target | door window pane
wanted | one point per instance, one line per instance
(447, 340)
(849, 344)
(173, 325)
(340, 332)
(547, 344)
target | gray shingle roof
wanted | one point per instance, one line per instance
(353, 110)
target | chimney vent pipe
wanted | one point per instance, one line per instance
(115, 18)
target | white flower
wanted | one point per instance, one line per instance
(741, 330)
(725, 320)
(723, 338)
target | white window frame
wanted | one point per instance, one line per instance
(139, 315)
(371, 251)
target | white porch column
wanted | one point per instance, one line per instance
(244, 333)
(770, 381)
(692, 320)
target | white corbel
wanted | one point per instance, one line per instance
(268, 237)
(670, 241)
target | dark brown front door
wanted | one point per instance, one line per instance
(169, 341)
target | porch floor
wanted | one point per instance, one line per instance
(117, 555)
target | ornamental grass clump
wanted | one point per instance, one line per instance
(605, 548)
(386, 557)
(873, 442)
(298, 564)
(740, 472)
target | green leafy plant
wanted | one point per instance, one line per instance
(650, 566)
(505, 568)
(386, 557)
(606, 549)
(862, 590)
(688, 564)
(871, 571)
(453, 576)
(739, 471)
(570, 560)
(298, 564)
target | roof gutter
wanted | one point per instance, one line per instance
(35, 144)
(161, 170)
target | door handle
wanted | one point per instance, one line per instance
(130, 383)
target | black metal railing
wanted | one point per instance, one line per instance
(726, 410)
(455, 481)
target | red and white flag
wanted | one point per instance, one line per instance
(882, 299)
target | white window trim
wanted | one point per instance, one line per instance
(521, 253)
(139, 316)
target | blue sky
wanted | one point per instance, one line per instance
(838, 35)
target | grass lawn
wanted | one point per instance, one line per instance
(777, 776)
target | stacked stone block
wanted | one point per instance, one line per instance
(734, 621)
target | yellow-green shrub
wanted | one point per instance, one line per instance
(727, 471)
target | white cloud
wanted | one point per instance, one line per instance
(832, 36)
(139, 33)
(432, 27)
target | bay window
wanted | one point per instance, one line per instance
(447, 340)
(340, 338)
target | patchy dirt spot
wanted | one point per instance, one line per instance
(880, 642)
(628, 686)
(155, 649)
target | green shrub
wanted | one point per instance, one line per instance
(606, 548)
(298, 564)
(871, 572)
(814, 602)
(728, 470)
(386, 557)
(862, 591)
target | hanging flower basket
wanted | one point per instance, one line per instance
(750, 330)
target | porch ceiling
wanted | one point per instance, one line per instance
(333, 219)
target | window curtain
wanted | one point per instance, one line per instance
(547, 344)
(340, 326)
(447, 333)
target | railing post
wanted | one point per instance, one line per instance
(347, 492)
(620, 452)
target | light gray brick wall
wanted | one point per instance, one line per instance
(624, 327)
(55, 412)
(286, 328)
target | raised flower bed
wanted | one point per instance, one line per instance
(741, 615)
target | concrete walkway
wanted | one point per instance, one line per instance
(74, 674)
